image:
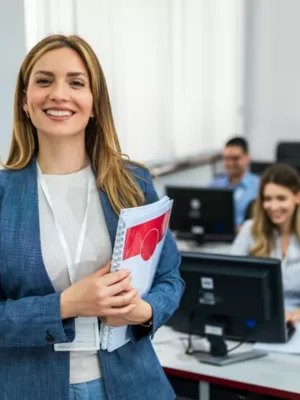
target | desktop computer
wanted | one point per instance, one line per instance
(202, 214)
(231, 297)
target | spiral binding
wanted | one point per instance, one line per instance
(119, 243)
(106, 332)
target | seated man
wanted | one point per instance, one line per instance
(237, 176)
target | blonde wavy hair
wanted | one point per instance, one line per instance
(262, 227)
(115, 174)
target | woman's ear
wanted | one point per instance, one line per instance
(25, 105)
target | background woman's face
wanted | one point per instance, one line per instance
(279, 203)
(59, 98)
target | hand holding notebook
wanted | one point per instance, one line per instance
(140, 236)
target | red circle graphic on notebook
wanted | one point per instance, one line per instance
(149, 244)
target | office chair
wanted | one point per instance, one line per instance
(249, 210)
(289, 153)
(258, 167)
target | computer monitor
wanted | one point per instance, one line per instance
(231, 297)
(202, 213)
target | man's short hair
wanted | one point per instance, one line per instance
(238, 142)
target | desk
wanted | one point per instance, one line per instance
(276, 374)
(219, 248)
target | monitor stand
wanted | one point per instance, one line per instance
(190, 236)
(219, 356)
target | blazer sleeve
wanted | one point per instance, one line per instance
(32, 321)
(168, 287)
(242, 243)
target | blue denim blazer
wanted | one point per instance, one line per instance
(30, 322)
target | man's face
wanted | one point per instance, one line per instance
(235, 160)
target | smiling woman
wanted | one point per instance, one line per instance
(275, 229)
(58, 98)
(61, 191)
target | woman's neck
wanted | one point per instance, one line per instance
(285, 229)
(60, 156)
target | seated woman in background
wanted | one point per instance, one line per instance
(274, 230)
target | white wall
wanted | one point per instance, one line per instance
(272, 82)
(12, 50)
(174, 70)
(199, 176)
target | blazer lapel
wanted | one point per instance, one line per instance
(25, 231)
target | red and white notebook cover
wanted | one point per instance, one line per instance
(139, 241)
(142, 249)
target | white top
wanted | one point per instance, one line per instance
(290, 264)
(69, 198)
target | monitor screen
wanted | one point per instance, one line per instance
(244, 294)
(210, 209)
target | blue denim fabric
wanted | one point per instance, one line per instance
(93, 390)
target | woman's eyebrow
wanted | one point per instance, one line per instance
(74, 74)
(43, 72)
(69, 74)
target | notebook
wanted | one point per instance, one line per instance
(139, 241)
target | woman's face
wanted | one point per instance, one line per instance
(59, 98)
(279, 203)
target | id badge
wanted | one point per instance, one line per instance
(87, 336)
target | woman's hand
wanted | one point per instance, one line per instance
(103, 293)
(139, 315)
(293, 316)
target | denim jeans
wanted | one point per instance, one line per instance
(93, 390)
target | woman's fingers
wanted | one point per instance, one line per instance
(122, 299)
(120, 311)
(119, 287)
(113, 277)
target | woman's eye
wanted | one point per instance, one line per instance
(77, 84)
(43, 82)
(281, 198)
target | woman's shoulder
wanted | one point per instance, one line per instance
(11, 178)
(246, 228)
(4, 179)
(4, 176)
(7, 175)
(140, 173)
(247, 225)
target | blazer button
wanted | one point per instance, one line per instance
(49, 337)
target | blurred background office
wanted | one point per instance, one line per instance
(185, 77)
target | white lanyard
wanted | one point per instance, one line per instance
(62, 238)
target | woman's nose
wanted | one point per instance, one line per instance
(274, 207)
(58, 92)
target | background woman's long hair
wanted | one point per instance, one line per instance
(262, 228)
(115, 175)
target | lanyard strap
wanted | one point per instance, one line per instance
(61, 235)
